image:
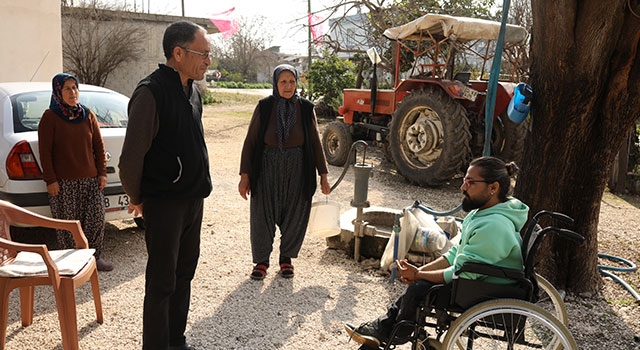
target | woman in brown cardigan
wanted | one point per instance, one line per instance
(73, 164)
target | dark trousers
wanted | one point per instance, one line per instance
(279, 200)
(404, 308)
(173, 245)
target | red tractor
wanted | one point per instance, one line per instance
(432, 122)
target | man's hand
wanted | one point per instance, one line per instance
(407, 271)
(136, 209)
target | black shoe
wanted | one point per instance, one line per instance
(103, 265)
(181, 347)
(366, 334)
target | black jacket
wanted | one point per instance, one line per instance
(266, 108)
(177, 164)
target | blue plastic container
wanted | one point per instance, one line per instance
(520, 104)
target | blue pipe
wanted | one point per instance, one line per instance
(603, 269)
(493, 81)
(429, 210)
(396, 231)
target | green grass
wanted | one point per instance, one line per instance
(235, 98)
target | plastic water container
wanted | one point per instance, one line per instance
(324, 219)
(520, 104)
(428, 240)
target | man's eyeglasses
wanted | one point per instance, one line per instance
(203, 55)
(467, 181)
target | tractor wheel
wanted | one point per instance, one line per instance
(336, 143)
(507, 141)
(386, 150)
(429, 137)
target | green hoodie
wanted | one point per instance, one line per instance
(490, 236)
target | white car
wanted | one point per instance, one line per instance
(21, 107)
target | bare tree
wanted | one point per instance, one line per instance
(97, 40)
(520, 14)
(244, 51)
(585, 73)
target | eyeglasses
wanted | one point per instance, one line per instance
(467, 181)
(203, 55)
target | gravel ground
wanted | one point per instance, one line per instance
(230, 311)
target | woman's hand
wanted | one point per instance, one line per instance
(324, 184)
(407, 271)
(102, 182)
(53, 188)
(244, 187)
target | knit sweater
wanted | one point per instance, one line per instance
(70, 151)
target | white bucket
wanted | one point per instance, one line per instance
(324, 220)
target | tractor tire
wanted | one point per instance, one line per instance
(386, 151)
(336, 143)
(508, 138)
(429, 137)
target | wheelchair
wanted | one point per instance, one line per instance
(472, 314)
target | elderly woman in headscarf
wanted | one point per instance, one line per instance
(280, 156)
(73, 164)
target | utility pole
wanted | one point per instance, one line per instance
(182, 8)
(309, 45)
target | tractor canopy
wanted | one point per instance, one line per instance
(460, 29)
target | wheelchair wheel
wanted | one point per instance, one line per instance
(550, 300)
(507, 324)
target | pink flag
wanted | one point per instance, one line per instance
(226, 24)
(316, 23)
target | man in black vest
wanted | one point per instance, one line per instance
(164, 168)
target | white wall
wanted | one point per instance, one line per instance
(30, 32)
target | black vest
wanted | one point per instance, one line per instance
(177, 164)
(266, 108)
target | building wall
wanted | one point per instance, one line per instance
(125, 78)
(31, 40)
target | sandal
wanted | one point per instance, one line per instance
(286, 270)
(259, 271)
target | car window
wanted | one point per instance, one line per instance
(28, 109)
(110, 109)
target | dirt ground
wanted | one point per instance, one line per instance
(230, 311)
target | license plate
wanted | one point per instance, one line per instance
(116, 202)
(469, 94)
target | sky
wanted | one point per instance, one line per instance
(287, 17)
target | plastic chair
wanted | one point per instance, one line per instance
(25, 266)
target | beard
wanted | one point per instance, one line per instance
(468, 204)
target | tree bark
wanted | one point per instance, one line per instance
(585, 80)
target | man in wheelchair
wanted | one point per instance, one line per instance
(490, 235)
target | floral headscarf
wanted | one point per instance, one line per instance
(74, 114)
(285, 107)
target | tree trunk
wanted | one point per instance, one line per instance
(359, 78)
(585, 80)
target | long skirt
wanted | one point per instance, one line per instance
(81, 200)
(279, 200)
